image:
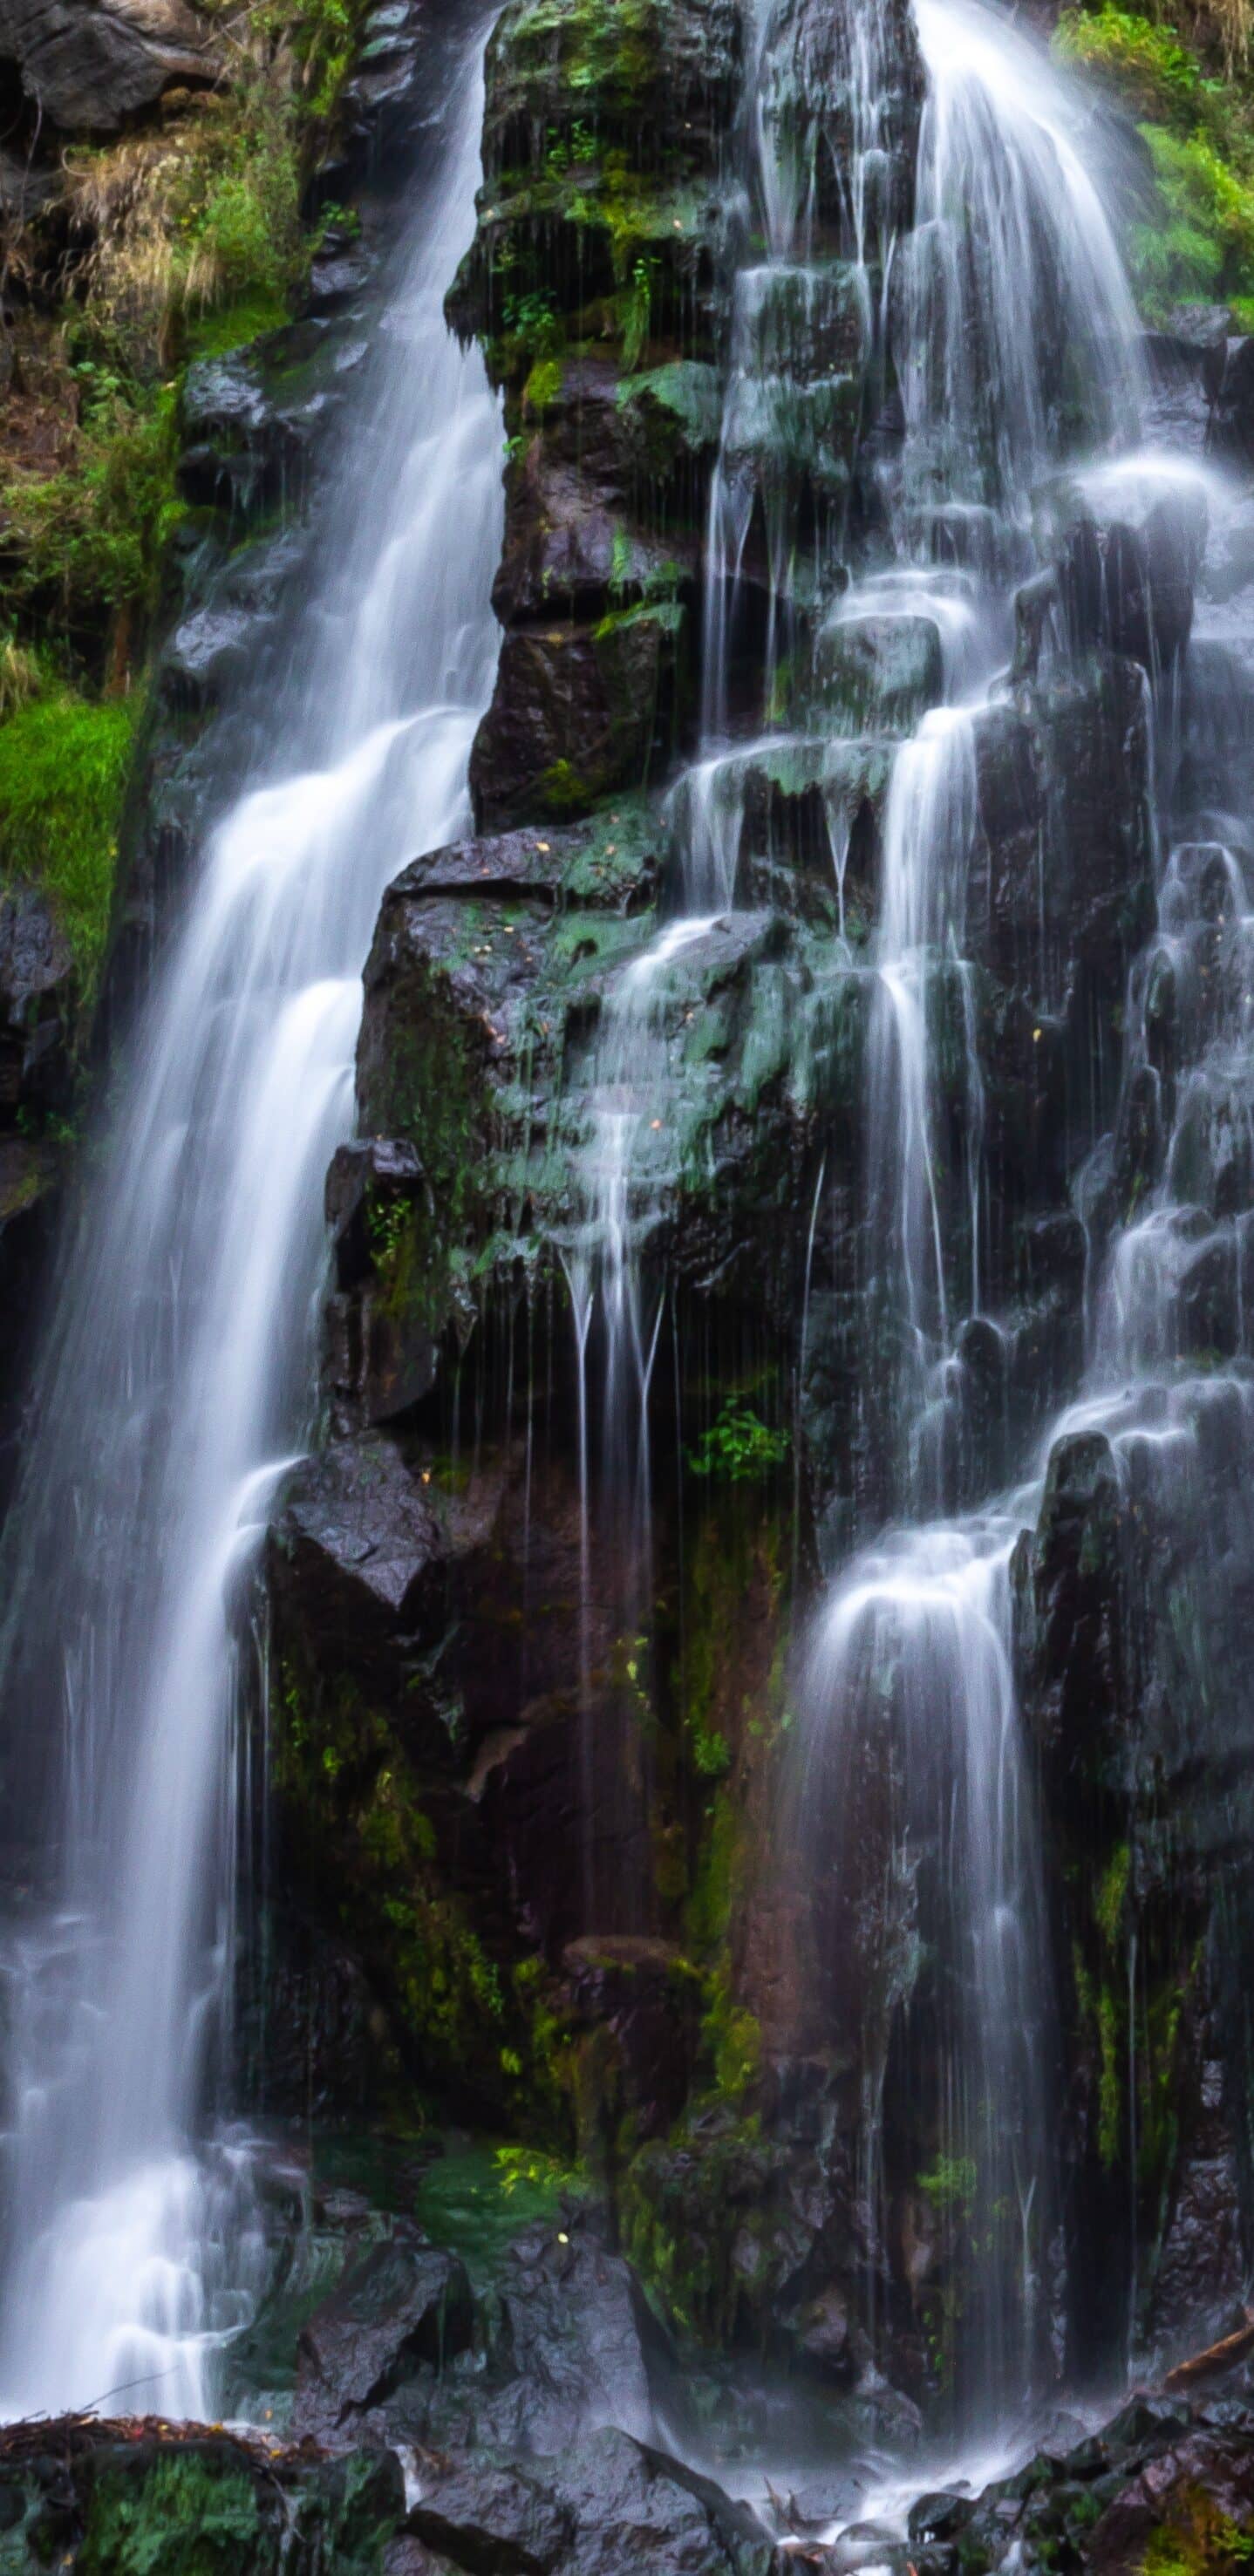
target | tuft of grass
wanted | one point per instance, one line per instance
(63, 771)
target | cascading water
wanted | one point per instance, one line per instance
(180, 1372)
(917, 1809)
(1004, 288)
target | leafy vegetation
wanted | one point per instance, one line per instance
(83, 544)
(738, 1446)
(1192, 234)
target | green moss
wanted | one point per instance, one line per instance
(63, 772)
(1111, 1895)
(357, 1808)
(1201, 242)
(563, 790)
(215, 333)
(543, 385)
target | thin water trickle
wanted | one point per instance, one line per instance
(181, 1357)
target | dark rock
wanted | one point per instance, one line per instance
(577, 712)
(675, 79)
(810, 90)
(89, 69)
(359, 1541)
(574, 2344)
(210, 650)
(1128, 551)
(569, 551)
(1202, 2480)
(643, 1997)
(939, 2517)
(252, 420)
(610, 2509)
(367, 1181)
(1232, 420)
(39, 995)
(407, 2304)
(488, 2520)
(1067, 767)
(1185, 363)
(1067, 1596)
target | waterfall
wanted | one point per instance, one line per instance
(180, 1372)
(967, 295)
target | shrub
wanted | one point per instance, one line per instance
(738, 1446)
(1151, 70)
(84, 542)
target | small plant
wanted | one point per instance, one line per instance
(386, 1225)
(711, 1752)
(533, 321)
(638, 312)
(530, 2169)
(738, 1446)
(950, 2184)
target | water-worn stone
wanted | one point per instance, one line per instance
(404, 2305)
(1128, 549)
(610, 2509)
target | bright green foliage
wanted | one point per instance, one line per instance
(1154, 74)
(63, 771)
(1194, 239)
(1206, 245)
(738, 1446)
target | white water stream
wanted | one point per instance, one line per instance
(182, 1361)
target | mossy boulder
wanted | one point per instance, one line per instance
(578, 712)
(147, 2500)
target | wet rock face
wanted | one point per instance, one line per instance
(1147, 1794)
(1126, 561)
(1232, 418)
(530, 1792)
(39, 1004)
(594, 280)
(812, 103)
(1064, 798)
(577, 713)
